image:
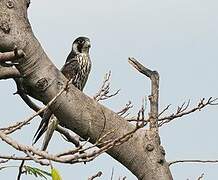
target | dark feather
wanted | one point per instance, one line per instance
(77, 67)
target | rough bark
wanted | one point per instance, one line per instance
(142, 154)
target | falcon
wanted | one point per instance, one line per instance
(76, 68)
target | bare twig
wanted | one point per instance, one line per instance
(4, 161)
(125, 109)
(201, 176)
(183, 110)
(103, 92)
(76, 156)
(112, 173)
(192, 161)
(95, 176)
(122, 178)
(20, 170)
(153, 98)
(13, 157)
(140, 117)
(164, 110)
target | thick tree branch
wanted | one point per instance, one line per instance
(8, 72)
(36, 108)
(42, 80)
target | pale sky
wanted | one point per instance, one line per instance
(178, 38)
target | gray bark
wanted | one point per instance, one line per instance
(142, 154)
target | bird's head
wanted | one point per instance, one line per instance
(81, 45)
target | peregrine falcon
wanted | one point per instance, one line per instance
(77, 67)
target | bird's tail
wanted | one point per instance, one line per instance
(42, 126)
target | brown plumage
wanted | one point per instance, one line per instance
(77, 67)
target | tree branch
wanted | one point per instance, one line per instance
(18, 125)
(123, 112)
(103, 92)
(153, 98)
(201, 176)
(8, 72)
(43, 81)
(98, 174)
(192, 161)
(11, 56)
(20, 170)
(183, 110)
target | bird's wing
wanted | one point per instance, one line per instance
(70, 70)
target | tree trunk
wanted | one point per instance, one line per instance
(142, 154)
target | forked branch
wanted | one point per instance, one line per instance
(184, 110)
(154, 97)
(104, 91)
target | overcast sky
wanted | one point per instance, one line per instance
(178, 38)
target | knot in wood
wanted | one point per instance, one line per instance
(5, 27)
(10, 4)
(149, 147)
(162, 150)
(161, 161)
(42, 84)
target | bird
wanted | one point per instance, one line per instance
(77, 69)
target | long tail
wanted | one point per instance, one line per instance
(42, 126)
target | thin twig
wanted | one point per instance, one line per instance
(103, 92)
(125, 109)
(112, 173)
(164, 110)
(20, 170)
(13, 157)
(183, 110)
(98, 174)
(201, 176)
(4, 161)
(79, 155)
(192, 161)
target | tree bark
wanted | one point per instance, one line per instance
(142, 154)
